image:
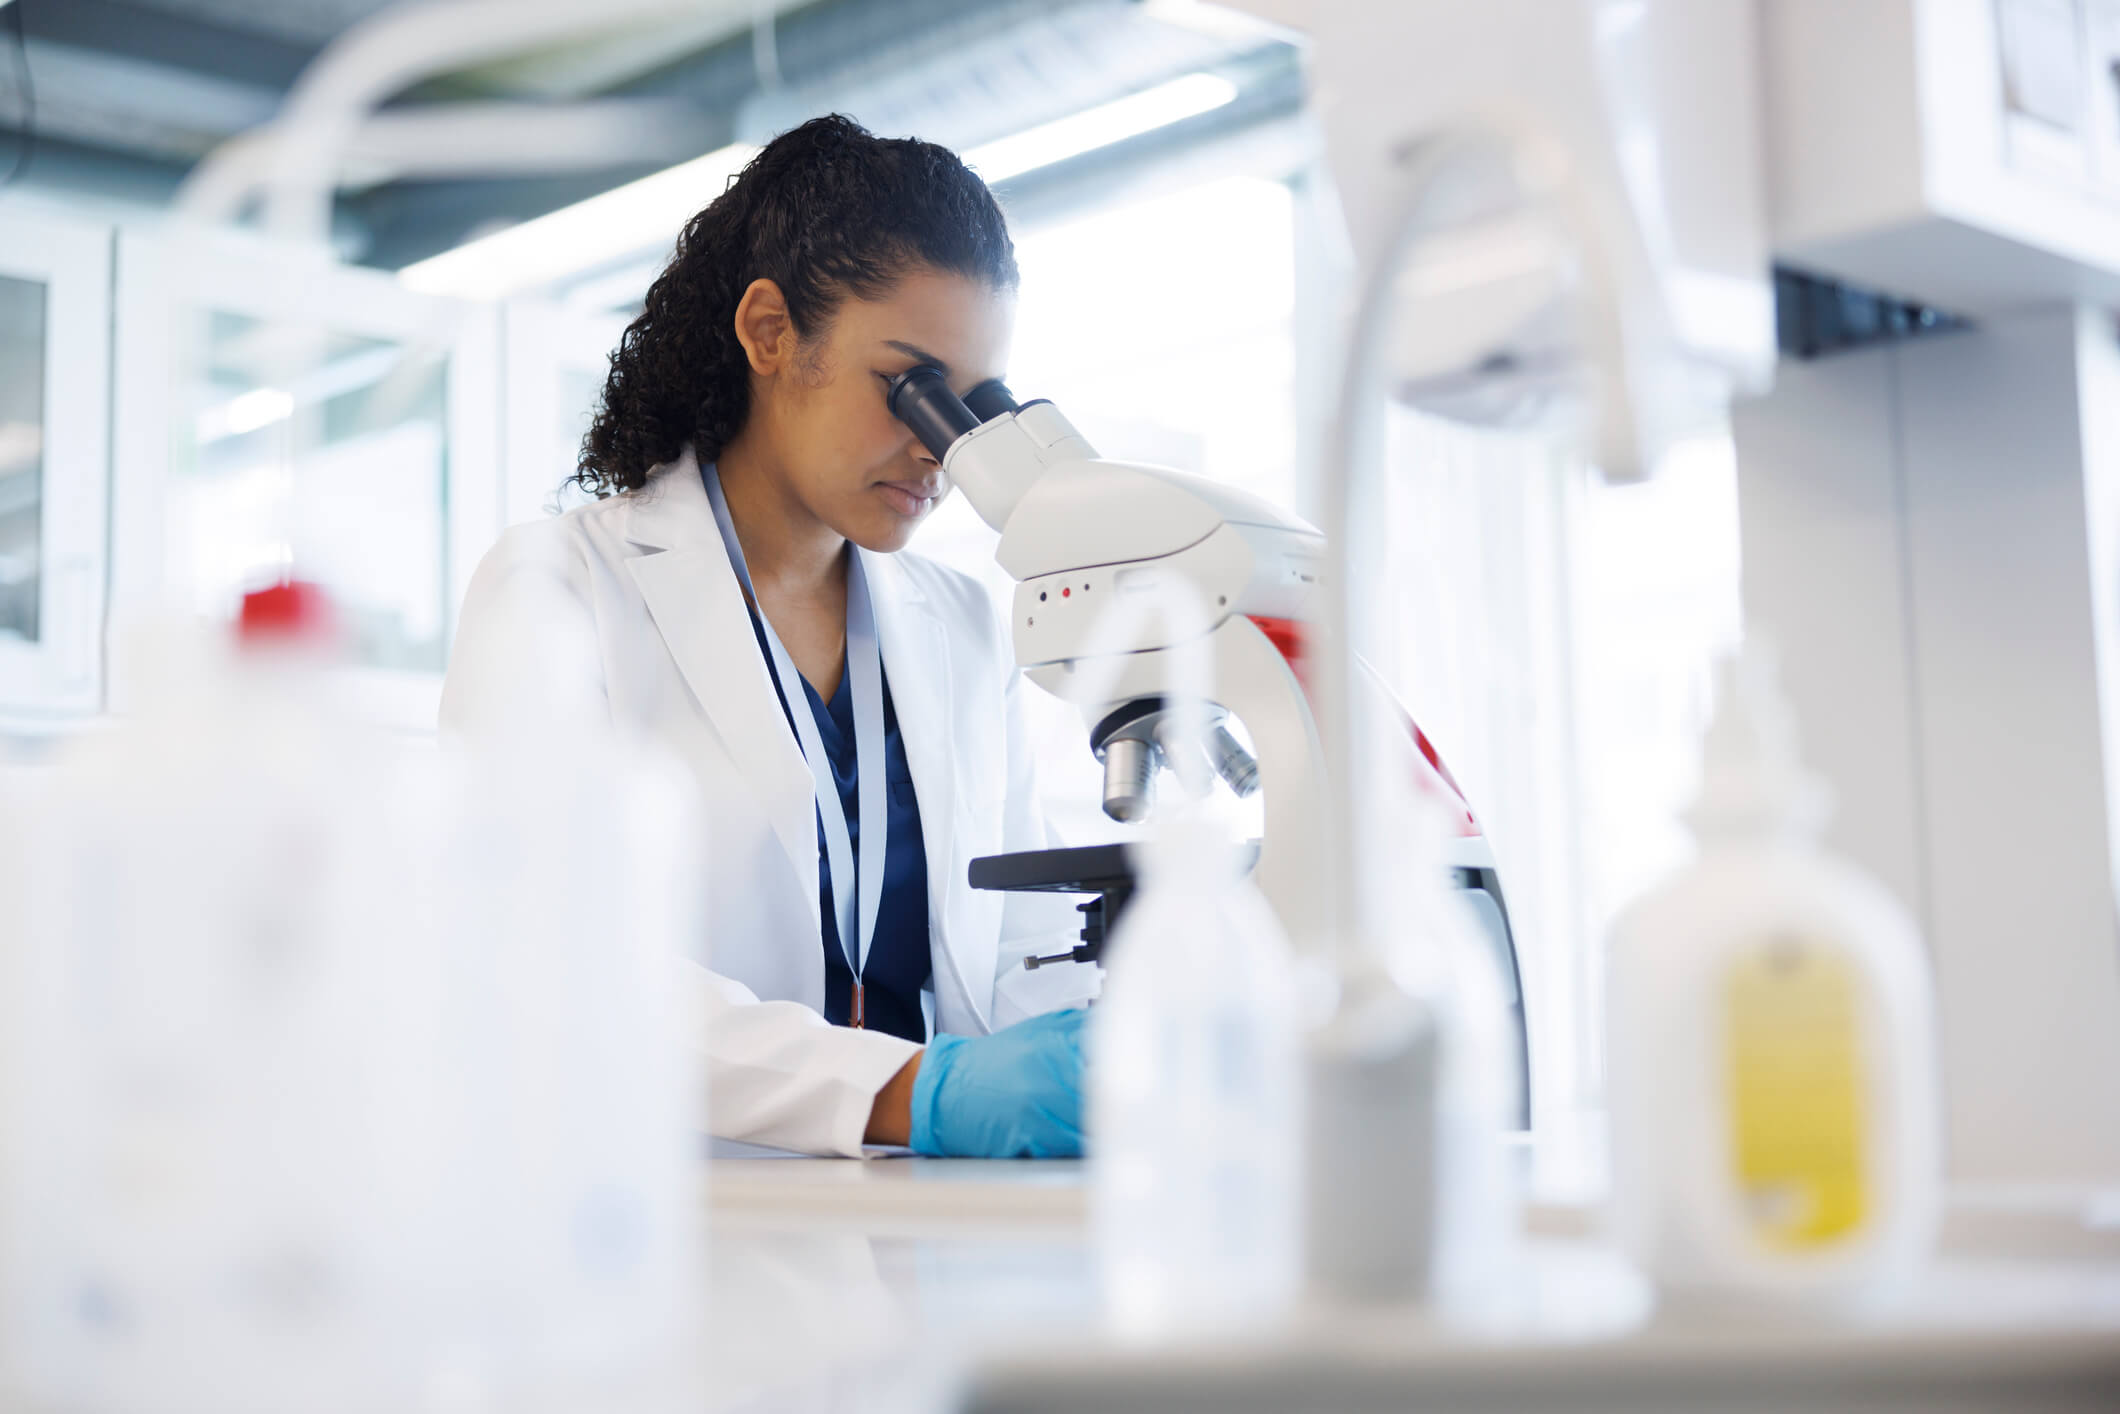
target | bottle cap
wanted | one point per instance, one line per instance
(293, 612)
(1751, 778)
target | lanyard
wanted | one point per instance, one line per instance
(865, 671)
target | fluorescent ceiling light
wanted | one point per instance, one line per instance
(1219, 20)
(623, 288)
(649, 212)
(1101, 126)
(246, 412)
(261, 407)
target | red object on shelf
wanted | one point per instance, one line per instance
(292, 611)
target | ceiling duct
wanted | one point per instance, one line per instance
(968, 79)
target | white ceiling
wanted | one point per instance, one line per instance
(131, 92)
(569, 71)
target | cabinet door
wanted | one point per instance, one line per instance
(288, 415)
(54, 462)
(557, 360)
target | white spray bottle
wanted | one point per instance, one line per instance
(1771, 1048)
(1194, 1082)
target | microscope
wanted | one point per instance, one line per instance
(1077, 534)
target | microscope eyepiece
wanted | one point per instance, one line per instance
(990, 399)
(921, 399)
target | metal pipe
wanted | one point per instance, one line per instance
(371, 62)
(1351, 484)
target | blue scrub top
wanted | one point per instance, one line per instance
(899, 964)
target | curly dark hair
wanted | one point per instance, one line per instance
(826, 211)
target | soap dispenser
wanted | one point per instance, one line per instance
(1772, 1069)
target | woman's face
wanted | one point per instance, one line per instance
(821, 409)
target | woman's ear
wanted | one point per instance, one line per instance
(764, 328)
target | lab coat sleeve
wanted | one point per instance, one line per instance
(776, 1073)
(1032, 924)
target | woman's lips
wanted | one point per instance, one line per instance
(909, 498)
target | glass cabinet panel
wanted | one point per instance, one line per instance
(22, 381)
(557, 360)
(326, 454)
(288, 415)
(54, 462)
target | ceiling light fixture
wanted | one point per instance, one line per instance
(648, 213)
(639, 215)
(1107, 123)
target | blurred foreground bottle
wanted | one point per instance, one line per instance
(1409, 1080)
(351, 1080)
(1770, 1045)
(1194, 1087)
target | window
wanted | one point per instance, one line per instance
(556, 360)
(54, 461)
(1554, 636)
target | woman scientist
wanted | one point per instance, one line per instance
(848, 710)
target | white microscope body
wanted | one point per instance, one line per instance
(1079, 533)
(1076, 542)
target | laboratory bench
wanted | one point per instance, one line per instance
(907, 1284)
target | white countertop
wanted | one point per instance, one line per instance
(851, 1285)
(911, 1284)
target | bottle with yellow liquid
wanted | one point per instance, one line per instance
(1771, 1055)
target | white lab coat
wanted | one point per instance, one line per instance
(644, 577)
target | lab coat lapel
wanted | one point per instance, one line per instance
(916, 659)
(691, 591)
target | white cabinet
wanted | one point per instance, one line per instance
(283, 414)
(54, 461)
(1961, 153)
(557, 360)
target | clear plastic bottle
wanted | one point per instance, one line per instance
(1771, 1060)
(358, 1080)
(1194, 1124)
(198, 1139)
(565, 896)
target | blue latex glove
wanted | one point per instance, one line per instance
(1016, 1094)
